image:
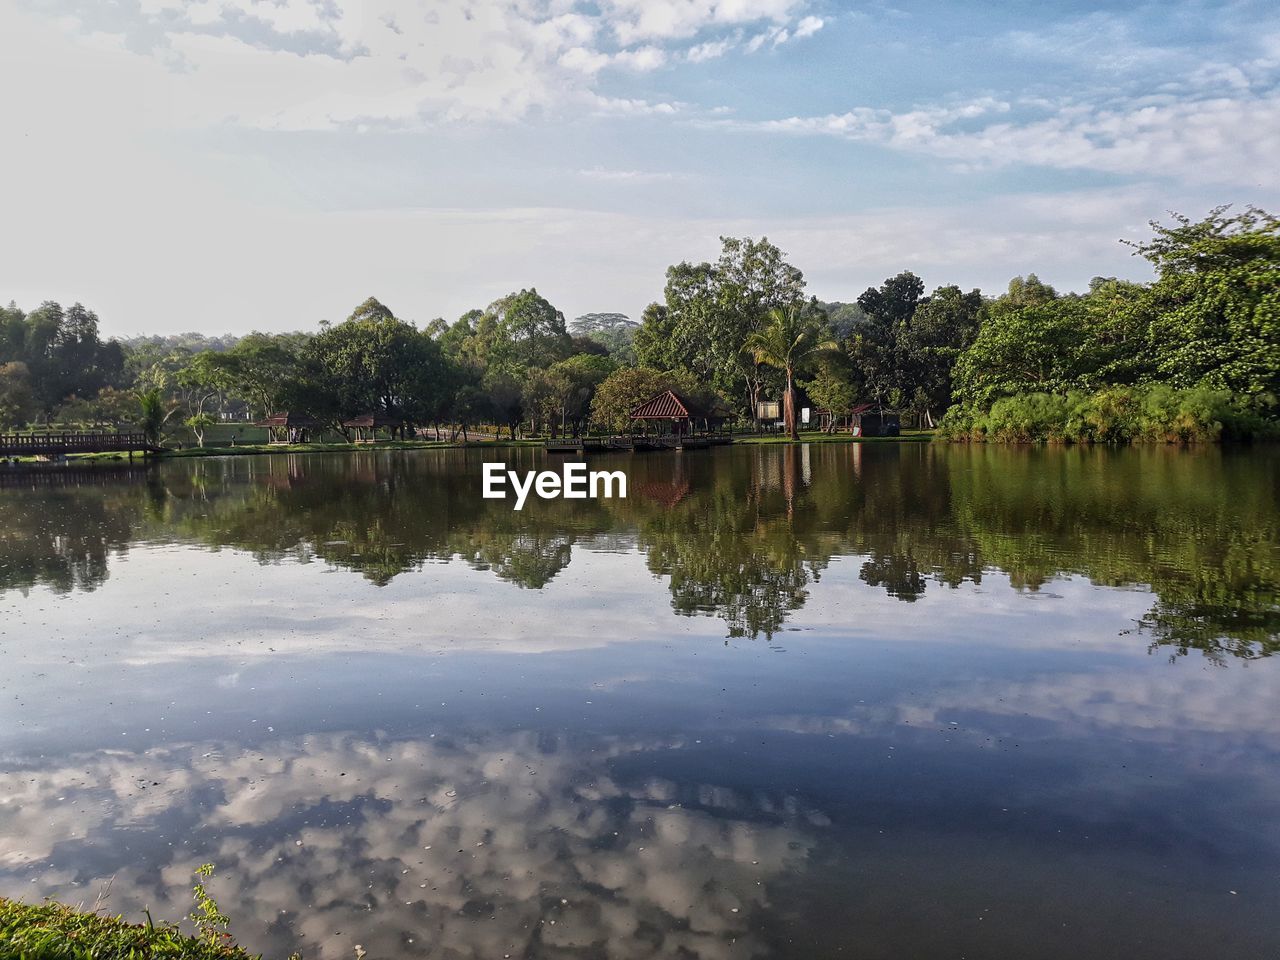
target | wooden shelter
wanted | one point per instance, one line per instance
(861, 420)
(366, 426)
(290, 427)
(868, 420)
(670, 413)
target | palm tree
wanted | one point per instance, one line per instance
(153, 415)
(787, 342)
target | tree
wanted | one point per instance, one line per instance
(711, 310)
(504, 394)
(613, 331)
(879, 347)
(788, 342)
(62, 352)
(200, 383)
(373, 363)
(655, 341)
(1034, 349)
(585, 373)
(624, 390)
(534, 329)
(264, 369)
(546, 398)
(941, 328)
(152, 415)
(17, 399)
(835, 385)
(1214, 311)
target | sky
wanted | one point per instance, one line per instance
(232, 165)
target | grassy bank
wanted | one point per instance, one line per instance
(51, 931)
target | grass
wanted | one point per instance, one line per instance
(51, 931)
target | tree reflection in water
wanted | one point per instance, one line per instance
(739, 533)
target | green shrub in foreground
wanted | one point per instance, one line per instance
(51, 931)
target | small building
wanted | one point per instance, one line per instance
(366, 426)
(868, 420)
(671, 413)
(290, 427)
(769, 412)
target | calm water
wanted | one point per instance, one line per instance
(833, 701)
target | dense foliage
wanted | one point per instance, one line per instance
(1193, 355)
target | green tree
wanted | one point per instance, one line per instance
(152, 415)
(624, 390)
(835, 385)
(879, 346)
(265, 370)
(585, 373)
(1215, 307)
(711, 310)
(17, 399)
(374, 363)
(1042, 348)
(533, 330)
(788, 342)
(941, 328)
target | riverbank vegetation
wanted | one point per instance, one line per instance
(1192, 355)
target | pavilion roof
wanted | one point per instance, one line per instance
(289, 419)
(375, 420)
(669, 405)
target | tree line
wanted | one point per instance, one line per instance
(1193, 354)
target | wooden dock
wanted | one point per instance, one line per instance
(634, 443)
(572, 445)
(51, 446)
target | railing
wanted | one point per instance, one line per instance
(53, 444)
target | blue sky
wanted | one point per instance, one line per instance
(227, 165)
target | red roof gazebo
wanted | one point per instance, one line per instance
(671, 408)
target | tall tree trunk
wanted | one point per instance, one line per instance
(789, 408)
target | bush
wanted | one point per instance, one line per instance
(1157, 414)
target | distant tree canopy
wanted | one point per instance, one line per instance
(614, 331)
(1194, 353)
(61, 351)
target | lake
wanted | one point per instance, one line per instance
(839, 700)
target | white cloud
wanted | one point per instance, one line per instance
(710, 50)
(641, 59)
(808, 26)
(633, 20)
(1224, 140)
(307, 64)
(629, 176)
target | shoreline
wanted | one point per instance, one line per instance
(262, 449)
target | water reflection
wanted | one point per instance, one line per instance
(739, 534)
(398, 715)
(490, 846)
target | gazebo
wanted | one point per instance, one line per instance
(289, 427)
(670, 410)
(367, 425)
